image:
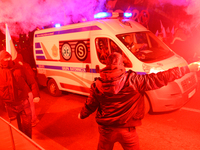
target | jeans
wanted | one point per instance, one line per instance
(32, 106)
(22, 113)
(126, 136)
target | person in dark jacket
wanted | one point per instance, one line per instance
(118, 97)
(34, 95)
(14, 89)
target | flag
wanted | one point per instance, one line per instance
(10, 48)
(163, 30)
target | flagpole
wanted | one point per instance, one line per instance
(7, 41)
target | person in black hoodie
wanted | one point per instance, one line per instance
(118, 97)
(34, 95)
(14, 88)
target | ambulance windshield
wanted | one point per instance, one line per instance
(145, 46)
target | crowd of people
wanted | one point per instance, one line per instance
(117, 95)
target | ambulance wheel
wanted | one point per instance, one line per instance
(53, 88)
(147, 106)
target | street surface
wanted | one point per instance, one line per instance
(60, 129)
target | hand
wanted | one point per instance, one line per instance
(36, 99)
(30, 96)
(195, 66)
(79, 116)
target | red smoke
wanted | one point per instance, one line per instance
(25, 15)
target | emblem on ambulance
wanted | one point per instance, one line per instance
(81, 51)
(66, 51)
(54, 51)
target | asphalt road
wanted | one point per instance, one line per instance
(60, 129)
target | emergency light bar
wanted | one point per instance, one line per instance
(57, 25)
(103, 15)
(128, 15)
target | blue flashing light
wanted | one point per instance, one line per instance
(57, 25)
(128, 15)
(102, 15)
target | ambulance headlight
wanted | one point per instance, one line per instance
(152, 68)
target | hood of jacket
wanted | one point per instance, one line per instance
(5, 59)
(112, 77)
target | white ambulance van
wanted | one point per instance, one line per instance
(68, 58)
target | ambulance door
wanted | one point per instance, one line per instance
(77, 63)
(83, 53)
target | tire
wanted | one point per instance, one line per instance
(147, 105)
(53, 88)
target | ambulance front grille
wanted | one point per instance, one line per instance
(188, 83)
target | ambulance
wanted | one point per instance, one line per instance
(68, 58)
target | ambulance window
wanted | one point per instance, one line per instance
(115, 48)
(145, 46)
(102, 49)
